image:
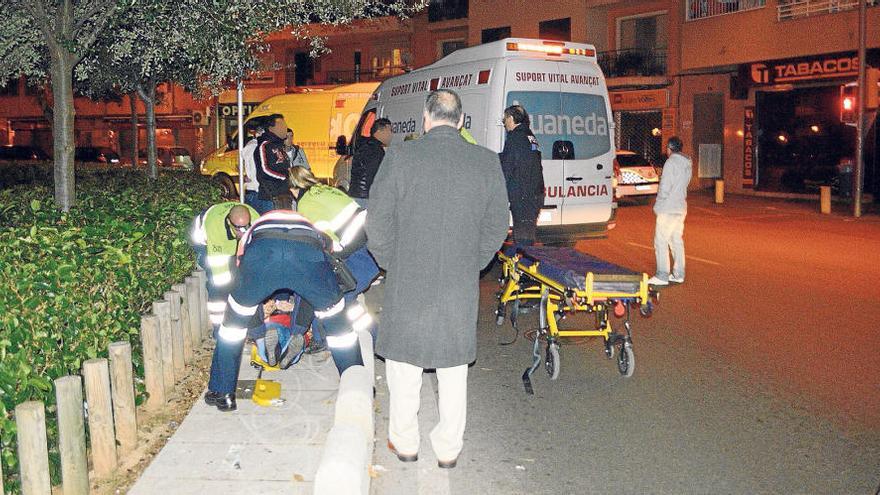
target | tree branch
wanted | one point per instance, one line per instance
(46, 24)
(98, 26)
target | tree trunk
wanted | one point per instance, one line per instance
(132, 101)
(148, 94)
(63, 138)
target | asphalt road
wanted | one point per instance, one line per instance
(761, 374)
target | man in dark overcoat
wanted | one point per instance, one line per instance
(438, 213)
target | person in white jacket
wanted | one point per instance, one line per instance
(671, 209)
(251, 185)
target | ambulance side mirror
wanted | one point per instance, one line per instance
(563, 150)
(341, 146)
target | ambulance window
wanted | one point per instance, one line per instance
(576, 117)
(362, 131)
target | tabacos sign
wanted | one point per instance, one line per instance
(807, 68)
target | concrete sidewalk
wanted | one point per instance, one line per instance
(255, 449)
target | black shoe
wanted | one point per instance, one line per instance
(447, 464)
(271, 343)
(223, 402)
(402, 457)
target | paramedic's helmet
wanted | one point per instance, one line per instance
(467, 136)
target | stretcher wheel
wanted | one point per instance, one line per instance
(609, 350)
(646, 309)
(499, 320)
(626, 360)
(551, 362)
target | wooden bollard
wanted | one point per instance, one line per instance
(124, 408)
(825, 199)
(162, 310)
(203, 301)
(719, 191)
(176, 335)
(184, 322)
(103, 442)
(72, 435)
(195, 313)
(33, 451)
(153, 377)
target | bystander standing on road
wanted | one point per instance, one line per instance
(272, 162)
(438, 213)
(521, 163)
(671, 209)
(366, 160)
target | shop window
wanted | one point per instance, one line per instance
(495, 34)
(556, 30)
(449, 46)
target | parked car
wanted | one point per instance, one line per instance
(175, 157)
(96, 154)
(171, 157)
(634, 175)
(22, 153)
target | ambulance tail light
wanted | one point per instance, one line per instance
(550, 48)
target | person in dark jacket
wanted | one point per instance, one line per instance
(272, 163)
(367, 158)
(521, 164)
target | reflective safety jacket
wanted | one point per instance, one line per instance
(337, 215)
(288, 225)
(210, 229)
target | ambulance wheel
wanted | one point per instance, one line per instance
(551, 362)
(626, 361)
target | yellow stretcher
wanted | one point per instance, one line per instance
(564, 281)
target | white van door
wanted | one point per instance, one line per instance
(530, 83)
(583, 125)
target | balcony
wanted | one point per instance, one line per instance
(701, 9)
(794, 9)
(364, 75)
(636, 62)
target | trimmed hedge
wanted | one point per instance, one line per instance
(71, 283)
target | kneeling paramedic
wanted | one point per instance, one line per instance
(215, 234)
(342, 219)
(282, 250)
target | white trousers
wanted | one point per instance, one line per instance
(668, 232)
(404, 388)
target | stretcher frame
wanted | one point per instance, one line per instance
(522, 281)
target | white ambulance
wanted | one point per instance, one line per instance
(562, 88)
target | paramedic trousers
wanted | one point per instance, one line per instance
(525, 225)
(668, 233)
(217, 294)
(271, 264)
(252, 198)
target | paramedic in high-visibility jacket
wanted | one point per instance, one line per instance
(214, 235)
(340, 217)
(283, 250)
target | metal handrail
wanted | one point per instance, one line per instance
(793, 9)
(701, 9)
(633, 62)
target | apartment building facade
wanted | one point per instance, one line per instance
(727, 76)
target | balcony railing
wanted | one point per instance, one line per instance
(364, 75)
(793, 9)
(700, 9)
(633, 63)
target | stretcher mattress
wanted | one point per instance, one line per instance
(569, 268)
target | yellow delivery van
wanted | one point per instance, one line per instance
(317, 116)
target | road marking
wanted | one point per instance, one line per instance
(762, 217)
(695, 258)
(707, 210)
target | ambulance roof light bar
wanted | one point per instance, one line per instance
(550, 48)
